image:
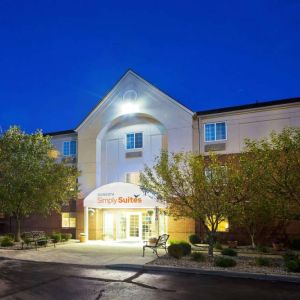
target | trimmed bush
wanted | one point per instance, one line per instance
(175, 250)
(218, 246)
(194, 239)
(7, 241)
(293, 265)
(225, 262)
(42, 242)
(66, 236)
(229, 252)
(263, 261)
(197, 256)
(186, 248)
(262, 249)
(56, 237)
(290, 256)
(295, 244)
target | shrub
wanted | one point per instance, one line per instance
(290, 256)
(186, 248)
(229, 252)
(225, 262)
(293, 265)
(66, 236)
(218, 246)
(295, 244)
(262, 249)
(175, 250)
(263, 261)
(56, 237)
(194, 239)
(197, 256)
(42, 242)
(7, 241)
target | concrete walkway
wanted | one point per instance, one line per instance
(96, 253)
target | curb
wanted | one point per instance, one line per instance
(243, 275)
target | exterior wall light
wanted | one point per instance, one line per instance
(129, 104)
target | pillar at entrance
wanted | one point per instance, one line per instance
(86, 222)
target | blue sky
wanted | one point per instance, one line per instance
(58, 58)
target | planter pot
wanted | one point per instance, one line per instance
(277, 246)
(232, 244)
(82, 239)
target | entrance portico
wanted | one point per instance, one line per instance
(122, 211)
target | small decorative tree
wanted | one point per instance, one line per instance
(193, 186)
(276, 167)
(30, 179)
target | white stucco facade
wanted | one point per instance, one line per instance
(165, 124)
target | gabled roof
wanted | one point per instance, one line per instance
(60, 132)
(131, 72)
(249, 106)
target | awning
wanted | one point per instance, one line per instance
(120, 195)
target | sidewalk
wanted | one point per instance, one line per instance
(96, 253)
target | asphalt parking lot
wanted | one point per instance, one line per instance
(41, 280)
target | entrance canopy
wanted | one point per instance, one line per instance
(120, 195)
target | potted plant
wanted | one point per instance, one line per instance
(82, 237)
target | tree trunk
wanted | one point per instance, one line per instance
(18, 229)
(211, 242)
(252, 241)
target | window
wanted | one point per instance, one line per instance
(68, 220)
(133, 177)
(134, 140)
(215, 131)
(223, 226)
(70, 148)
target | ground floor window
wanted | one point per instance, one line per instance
(68, 220)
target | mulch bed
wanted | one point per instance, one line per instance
(244, 264)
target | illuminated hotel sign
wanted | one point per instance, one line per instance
(120, 195)
(110, 198)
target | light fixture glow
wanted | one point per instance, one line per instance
(129, 108)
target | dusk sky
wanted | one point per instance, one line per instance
(58, 58)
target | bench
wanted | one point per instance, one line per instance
(37, 238)
(161, 243)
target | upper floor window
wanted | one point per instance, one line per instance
(134, 140)
(70, 148)
(215, 131)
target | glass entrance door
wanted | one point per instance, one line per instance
(134, 226)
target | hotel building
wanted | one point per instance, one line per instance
(126, 130)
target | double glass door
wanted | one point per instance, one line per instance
(134, 226)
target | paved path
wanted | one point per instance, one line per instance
(92, 253)
(37, 280)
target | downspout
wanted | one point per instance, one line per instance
(199, 138)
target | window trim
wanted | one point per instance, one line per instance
(134, 133)
(215, 140)
(69, 148)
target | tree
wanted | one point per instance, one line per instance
(193, 186)
(276, 168)
(30, 179)
(255, 210)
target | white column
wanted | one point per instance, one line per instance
(86, 222)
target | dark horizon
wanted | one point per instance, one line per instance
(59, 59)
